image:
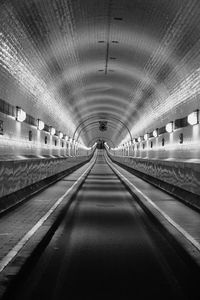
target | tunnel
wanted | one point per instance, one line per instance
(99, 149)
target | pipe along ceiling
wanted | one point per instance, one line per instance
(132, 63)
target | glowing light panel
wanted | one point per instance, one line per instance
(52, 131)
(155, 133)
(193, 118)
(40, 125)
(66, 137)
(60, 135)
(21, 115)
(169, 127)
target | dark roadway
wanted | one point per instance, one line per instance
(107, 248)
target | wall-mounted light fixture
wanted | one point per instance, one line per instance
(40, 124)
(146, 136)
(169, 127)
(52, 131)
(66, 137)
(139, 139)
(155, 133)
(21, 114)
(60, 135)
(193, 118)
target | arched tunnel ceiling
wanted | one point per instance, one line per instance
(136, 61)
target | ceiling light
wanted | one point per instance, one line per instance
(193, 117)
(101, 42)
(21, 114)
(146, 136)
(40, 124)
(115, 42)
(118, 19)
(139, 139)
(52, 131)
(169, 127)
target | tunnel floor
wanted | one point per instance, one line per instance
(107, 248)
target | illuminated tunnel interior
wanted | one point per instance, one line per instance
(125, 72)
(113, 80)
(124, 62)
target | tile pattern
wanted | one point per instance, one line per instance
(181, 174)
(17, 174)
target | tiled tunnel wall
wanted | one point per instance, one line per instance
(25, 163)
(168, 146)
(15, 140)
(173, 148)
(170, 161)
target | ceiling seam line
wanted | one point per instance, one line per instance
(108, 35)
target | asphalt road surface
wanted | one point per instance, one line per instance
(107, 248)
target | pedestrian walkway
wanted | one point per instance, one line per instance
(183, 218)
(29, 222)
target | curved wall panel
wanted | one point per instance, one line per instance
(180, 178)
(18, 174)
